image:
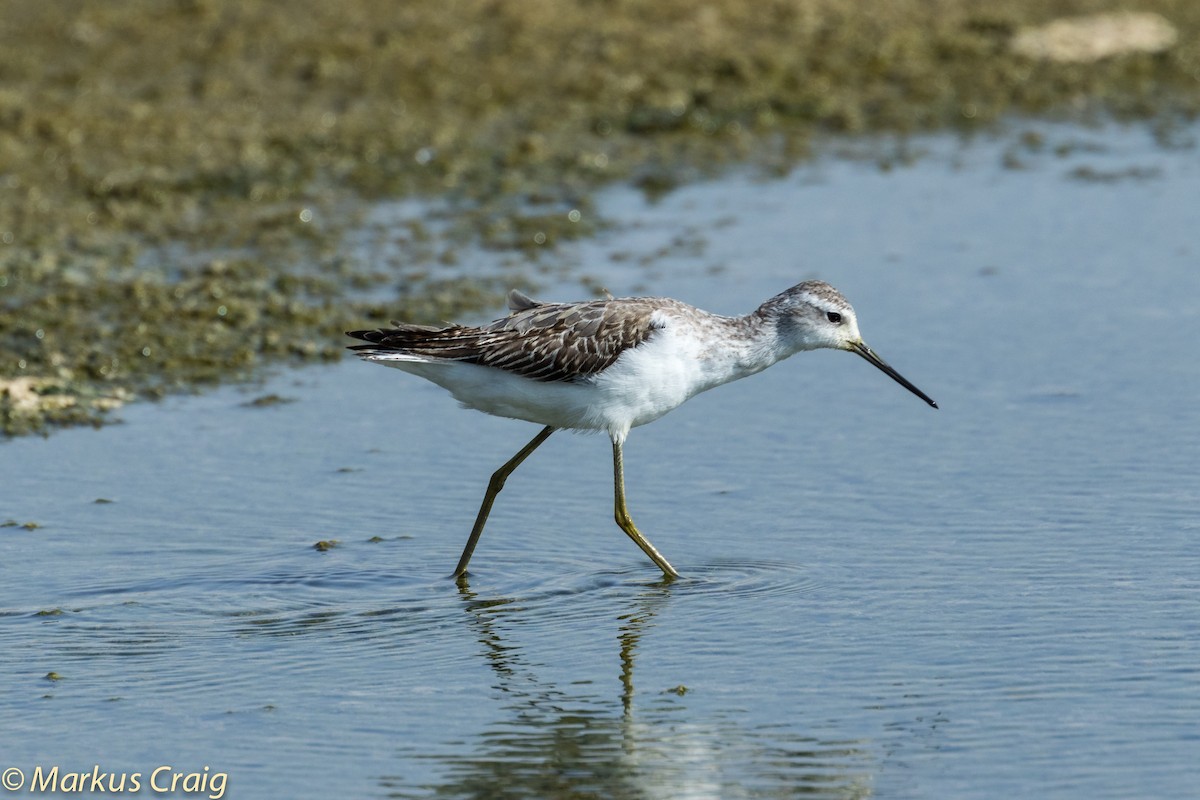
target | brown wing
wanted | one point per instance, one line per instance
(542, 341)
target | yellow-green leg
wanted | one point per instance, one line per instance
(493, 489)
(624, 520)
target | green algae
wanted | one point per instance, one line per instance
(12, 523)
(268, 400)
(180, 181)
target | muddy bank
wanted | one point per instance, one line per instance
(177, 179)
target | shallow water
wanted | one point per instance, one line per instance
(997, 598)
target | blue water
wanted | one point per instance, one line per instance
(998, 598)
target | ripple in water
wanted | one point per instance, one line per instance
(564, 599)
(737, 578)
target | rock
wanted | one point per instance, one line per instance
(1094, 37)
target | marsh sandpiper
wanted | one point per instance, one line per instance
(611, 365)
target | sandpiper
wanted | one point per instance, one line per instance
(611, 365)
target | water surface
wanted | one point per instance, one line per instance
(992, 599)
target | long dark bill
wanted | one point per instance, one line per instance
(867, 353)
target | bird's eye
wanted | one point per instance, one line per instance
(833, 317)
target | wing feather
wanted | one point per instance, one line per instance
(541, 341)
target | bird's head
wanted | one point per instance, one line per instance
(814, 315)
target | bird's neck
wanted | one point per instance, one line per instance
(753, 343)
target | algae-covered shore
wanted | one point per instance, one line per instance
(177, 179)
